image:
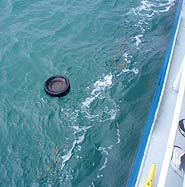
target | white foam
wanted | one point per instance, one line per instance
(98, 87)
(125, 57)
(118, 136)
(167, 6)
(79, 129)
(147, 10)
(88, 101)
(103, 150)
(80, 139)
(135, 71)
(104, 164)
(111, 113)
(99, 176)
(138, 40)
(67, 157)
(110, 147)
(126, 70)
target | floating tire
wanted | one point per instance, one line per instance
(57, 86)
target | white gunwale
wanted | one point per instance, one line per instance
(173, 129)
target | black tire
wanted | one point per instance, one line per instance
(57, 86)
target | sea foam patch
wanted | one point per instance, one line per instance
(146, 12)
(149, 9)
(98, 87)
(138, 40)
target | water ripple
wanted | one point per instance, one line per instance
(104, 48)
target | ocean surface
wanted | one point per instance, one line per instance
(112, 52)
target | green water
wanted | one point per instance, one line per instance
(112, 52)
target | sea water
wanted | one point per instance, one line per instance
(112, 52)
